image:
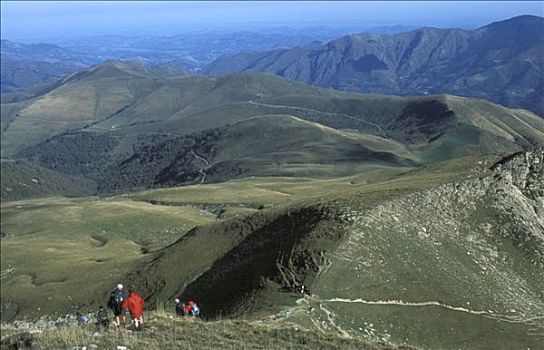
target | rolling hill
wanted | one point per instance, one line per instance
(126, 127)
(500, 62)
(23, 179)
(275, 145)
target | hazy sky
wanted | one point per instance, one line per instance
(38, 19)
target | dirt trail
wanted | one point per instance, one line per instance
(201, 170)
(359, 120)
(489, 313)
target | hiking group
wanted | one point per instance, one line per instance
(189, 308)
(123, 303)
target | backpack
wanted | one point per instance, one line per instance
(195, 310)
(117, 297)
(102, 315)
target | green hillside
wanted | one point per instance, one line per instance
(384, 207)
(121, 101)
(22, 179)
(450, 258)
(126, 127)
(113, 233)
(110, 235)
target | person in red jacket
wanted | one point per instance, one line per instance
(135, 306)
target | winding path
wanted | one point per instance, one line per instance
(489, 313)
(201, 170)
(359, 120)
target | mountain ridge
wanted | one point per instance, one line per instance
(488, 62)
(115, 116)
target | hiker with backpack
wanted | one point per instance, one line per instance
(102, 319)
(117, 297)
(192, 309)
(180, 307)
(135, 306)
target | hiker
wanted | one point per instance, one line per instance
(102, 319)
(305, 290)
(82, 319)
(116, 304)
(192, 309)
(180, 307)
(135, 306)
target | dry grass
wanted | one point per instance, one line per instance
(163, 331)
(64, 251)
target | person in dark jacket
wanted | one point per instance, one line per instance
(180, 307)
(116, 304)
(102, 319)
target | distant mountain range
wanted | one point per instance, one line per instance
(25, 65)
(45, 53)
(501, 62)
(16, 75)
(193, 49)
(126, 126)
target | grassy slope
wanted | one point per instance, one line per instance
(355, 269)
(22, 179)
(98, 239)
(256, 191)
(39, 229)
(228, 234)
(286, 145)
(127, 224)
(438, 247)
(361, 282)
(274, 145)
(109, 96)
(165, 332)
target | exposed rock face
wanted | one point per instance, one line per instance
(470, 251)
(481, 239)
